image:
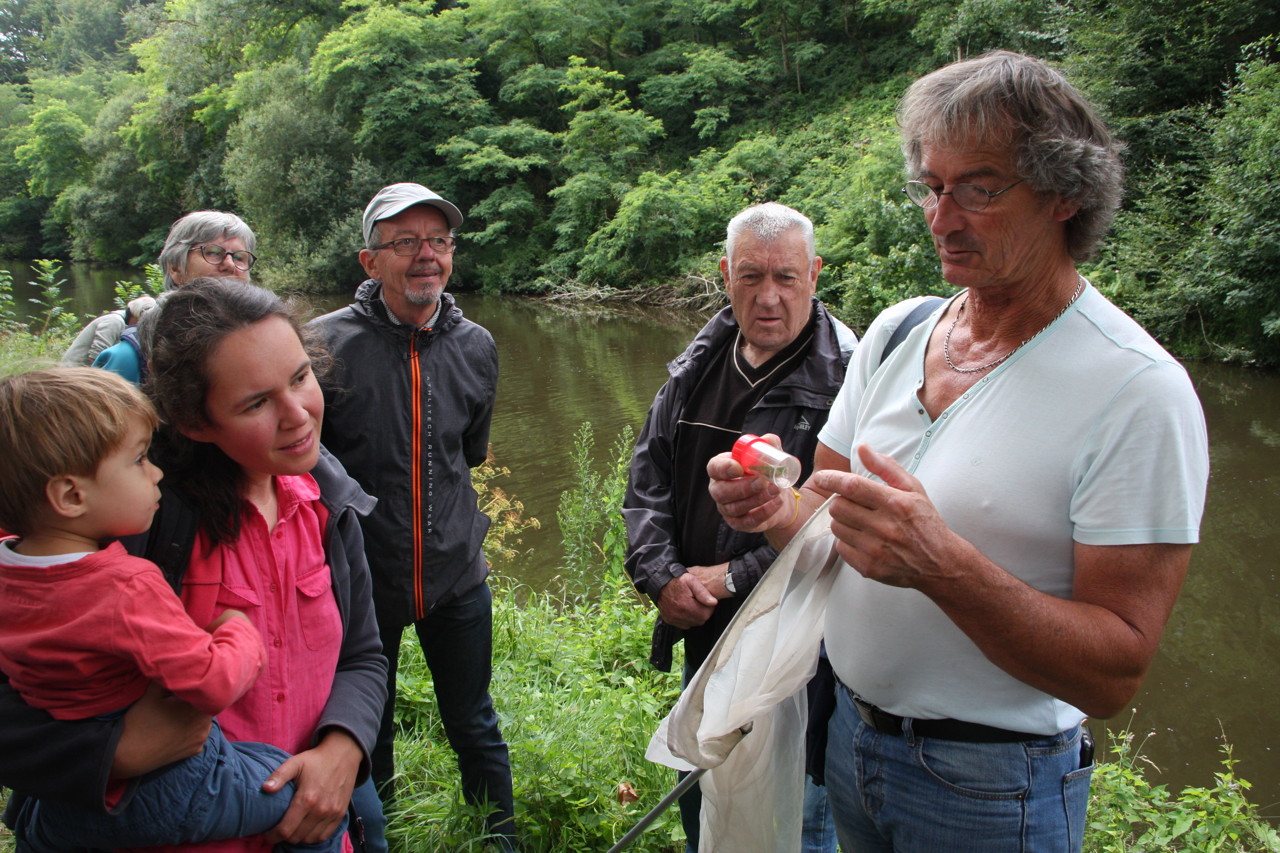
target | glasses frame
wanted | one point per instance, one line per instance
(205, 248)
(439, 245)
(931, 201)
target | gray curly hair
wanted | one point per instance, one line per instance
(1060, 143)
(202, 226)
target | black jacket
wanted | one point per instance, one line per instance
(70, 761)
(794, 410)
(408, 414)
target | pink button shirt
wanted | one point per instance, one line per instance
(280, 579)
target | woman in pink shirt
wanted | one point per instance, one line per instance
(257, 517)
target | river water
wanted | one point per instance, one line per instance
(1219, 662)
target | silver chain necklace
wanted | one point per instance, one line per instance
(946, 342)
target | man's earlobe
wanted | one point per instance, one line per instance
(367, 258)
(1064, 209)
(66, 497)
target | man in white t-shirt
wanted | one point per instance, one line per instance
(1019, 488)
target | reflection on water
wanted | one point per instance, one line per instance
(1219, 661)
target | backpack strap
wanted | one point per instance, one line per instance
(915, 318)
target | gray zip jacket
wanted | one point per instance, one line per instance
(409, 415)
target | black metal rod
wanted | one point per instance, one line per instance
(685, 784)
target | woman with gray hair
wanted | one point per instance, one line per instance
(207, 243)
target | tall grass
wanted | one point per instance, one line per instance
(577, 698)
(578, 702)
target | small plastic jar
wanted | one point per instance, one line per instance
(758, 456)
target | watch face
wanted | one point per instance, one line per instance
(728, 583)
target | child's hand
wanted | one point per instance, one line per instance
(226, 614)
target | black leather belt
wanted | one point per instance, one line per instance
(891, 724)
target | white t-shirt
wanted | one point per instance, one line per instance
(1090, 432)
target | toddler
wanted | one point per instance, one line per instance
(84, 627)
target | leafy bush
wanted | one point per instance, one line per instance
(577, 698)
(1126, 812)
(578, 702)
(1234, 265)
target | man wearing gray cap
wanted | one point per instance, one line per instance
(408, 415)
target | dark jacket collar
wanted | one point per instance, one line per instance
(370, 305)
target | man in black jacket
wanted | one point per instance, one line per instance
(771, 362)
(409, 415)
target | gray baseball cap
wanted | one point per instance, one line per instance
(396, 198)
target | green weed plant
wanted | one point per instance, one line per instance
(578, 702)
(41, 342)
(152, 285)
(1128, 813)
(8, 315)
(55, 317)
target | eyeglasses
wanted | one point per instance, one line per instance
(969, 196)
(408, 246)
(213, 253)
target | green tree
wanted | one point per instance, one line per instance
(295, 175)
(662, 223)
(600, 152)
(1234, 266)
(21, 30)
(400, 76)
(701, 92)
(109, 210)
(508, 168)
(548, 32)
(54, 154)
(1143, 57)
(84, 33)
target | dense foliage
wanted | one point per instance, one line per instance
(579, 701)
(605, 142)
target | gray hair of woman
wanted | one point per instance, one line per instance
(202, 226)
(1060, 144)
(768, 222)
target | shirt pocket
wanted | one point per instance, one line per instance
(317, 610)
(242, 598)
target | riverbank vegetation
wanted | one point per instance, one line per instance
(579, 701)
(602, 144)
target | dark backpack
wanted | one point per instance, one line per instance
(909, 322)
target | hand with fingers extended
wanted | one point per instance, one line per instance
(887, 528)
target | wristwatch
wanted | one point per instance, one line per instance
(728, 581)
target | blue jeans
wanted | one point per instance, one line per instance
(908, 794)
(457, 641)
(214, 795)
(372, 824)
